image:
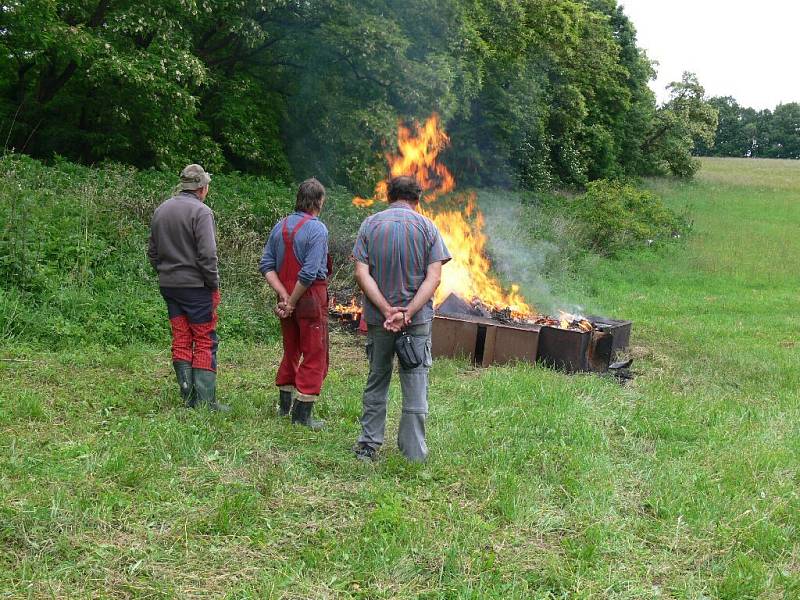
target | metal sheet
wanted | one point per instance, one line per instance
(619, 329)
(564, 349)
(483, 341)
(454, 337)
(600, 352)
(575, 351)
(487, 342)
(514, 344)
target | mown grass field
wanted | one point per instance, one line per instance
(683, 484)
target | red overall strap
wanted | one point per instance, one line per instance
(288, 236)
(291, 267)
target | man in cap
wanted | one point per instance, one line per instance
(399, 256)
(296, 265)
(183, 250)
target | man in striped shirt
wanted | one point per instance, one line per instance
(399, 256)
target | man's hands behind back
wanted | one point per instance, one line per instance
(397, 320)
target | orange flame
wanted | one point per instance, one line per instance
(416, 156)
(351, 308)
(469, 273)
(570, 321)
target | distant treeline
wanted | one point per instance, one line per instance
(746, 132)
(534, 93)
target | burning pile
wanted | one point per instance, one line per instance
(352, 308)
(468, 275)
(456, 306)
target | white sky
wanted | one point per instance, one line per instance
(745, 49)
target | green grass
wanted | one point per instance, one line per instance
(683, 484)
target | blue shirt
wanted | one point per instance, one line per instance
(398, 244)
(310, 248)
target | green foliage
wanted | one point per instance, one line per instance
(746, 132)
(74, 238)
(617, 216)
(564, 99)
(246, 123)
(137, 82)
(536, 94)
(73, 247)
(365, 65)
(684, 121)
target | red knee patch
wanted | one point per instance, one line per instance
(205, 345)
(181, 339)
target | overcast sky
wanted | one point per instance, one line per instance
(745, 49)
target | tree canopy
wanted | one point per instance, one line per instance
(535, 93)
(746, 132)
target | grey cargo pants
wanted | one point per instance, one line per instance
(414, 384)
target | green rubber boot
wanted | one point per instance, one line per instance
(284, 403)
(301, 415)
(183, 372)
(205, 390)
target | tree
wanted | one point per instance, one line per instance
(535, 93)
(232, 83)
(367, 65)
(89, 79)
(685, 120)
(783, 131)
(739, 130)
(730, 138)
(745, 132)
(565, 96)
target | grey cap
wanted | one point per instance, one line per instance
(194, 177)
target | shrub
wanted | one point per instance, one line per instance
(616, 216)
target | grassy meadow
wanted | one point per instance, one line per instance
(682, 484)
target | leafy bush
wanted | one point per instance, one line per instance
(72, 251)
(616, 216)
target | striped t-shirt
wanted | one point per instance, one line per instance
(398, 244)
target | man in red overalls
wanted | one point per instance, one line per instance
(296, 265)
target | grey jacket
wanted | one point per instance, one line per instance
(182, 247)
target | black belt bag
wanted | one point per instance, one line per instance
(406, 352)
